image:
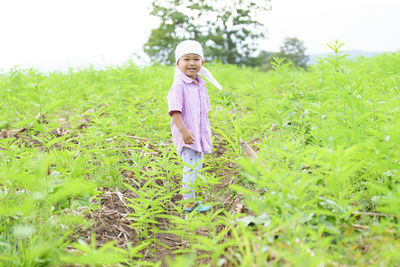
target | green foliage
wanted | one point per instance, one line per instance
(228, 30)
(324, 189)
(87, 254)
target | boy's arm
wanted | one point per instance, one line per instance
(187, 136)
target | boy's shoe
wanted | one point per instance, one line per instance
(189, 210)
(201, 208)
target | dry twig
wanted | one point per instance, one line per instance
(250, 153)
(373, 214)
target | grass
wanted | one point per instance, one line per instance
(324, 188)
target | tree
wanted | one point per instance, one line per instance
(293, 49)
(228, 30)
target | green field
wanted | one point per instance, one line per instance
(89, 174)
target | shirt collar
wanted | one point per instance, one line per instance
(187, 79)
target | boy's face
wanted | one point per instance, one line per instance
(190, 64)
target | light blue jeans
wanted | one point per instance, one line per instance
(193, 164)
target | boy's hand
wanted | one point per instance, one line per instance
(187, 136)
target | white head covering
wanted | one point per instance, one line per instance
(194, 47)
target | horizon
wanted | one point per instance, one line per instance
(64, 69)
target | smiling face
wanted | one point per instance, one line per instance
(190, 64)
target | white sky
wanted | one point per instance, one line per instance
(57, 34)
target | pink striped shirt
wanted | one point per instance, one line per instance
(191, 99)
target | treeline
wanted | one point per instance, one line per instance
(230, 32)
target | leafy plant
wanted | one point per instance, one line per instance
(324, 189)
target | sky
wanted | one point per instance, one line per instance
(58, 34)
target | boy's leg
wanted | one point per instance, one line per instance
(192, 158)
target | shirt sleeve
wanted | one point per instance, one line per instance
(175, 98)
